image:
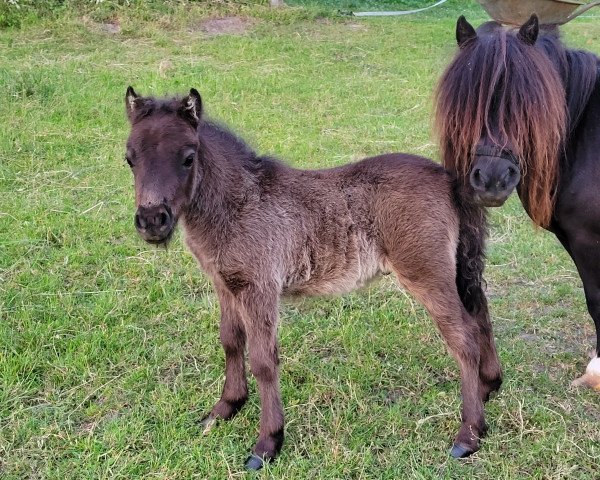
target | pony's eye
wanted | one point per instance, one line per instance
(128, 160)
(189, 160)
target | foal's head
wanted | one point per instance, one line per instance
(501, 115)
(162, 151)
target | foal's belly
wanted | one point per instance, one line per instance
(324, 272)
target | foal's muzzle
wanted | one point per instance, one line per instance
(155, 223)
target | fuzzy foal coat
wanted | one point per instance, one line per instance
(261, 229)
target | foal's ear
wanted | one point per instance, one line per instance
(464, 31)
(530, 30)
(191, 107)
(130, 106)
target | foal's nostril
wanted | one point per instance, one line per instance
(162, 219)
(140, 223)
(153, 220)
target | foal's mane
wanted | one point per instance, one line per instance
(528, 97)
(147, 106)
(217, 140)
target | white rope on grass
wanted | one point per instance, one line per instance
(393, 14)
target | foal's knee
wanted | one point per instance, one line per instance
(232, 346)
(263, 365)
(233, 340)
(469, 357)
(463, 343)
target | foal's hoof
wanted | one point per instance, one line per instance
(460, 450)
(207, 423)
(254, 462)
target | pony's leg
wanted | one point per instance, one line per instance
(461, 334)
(261, 318)
(233, 339)
(591, 287)
(586, 255)
(490, 371)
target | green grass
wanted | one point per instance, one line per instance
(109, 350)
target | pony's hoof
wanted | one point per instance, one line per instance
(254, 462)
(207, 423)
(588, 381)
(460, 450)
(591, 377)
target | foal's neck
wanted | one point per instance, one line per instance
(223, 185)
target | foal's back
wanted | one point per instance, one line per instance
(332, 230)
(380, 213)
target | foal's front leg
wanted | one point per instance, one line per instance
(233, 339)
(261, 318)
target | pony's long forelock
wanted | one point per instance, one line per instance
(500, 86)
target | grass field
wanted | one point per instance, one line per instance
(109, 350)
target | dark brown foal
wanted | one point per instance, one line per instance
(261, 229)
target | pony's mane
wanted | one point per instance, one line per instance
(578, 70)
(527, 97)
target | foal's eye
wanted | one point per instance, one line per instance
(189, 160)
(128, 160)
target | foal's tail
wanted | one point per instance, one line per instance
(470, 254)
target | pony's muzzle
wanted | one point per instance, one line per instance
(154, 223)
(494, 181)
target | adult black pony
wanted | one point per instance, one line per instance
(517, 109)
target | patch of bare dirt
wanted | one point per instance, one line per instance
(88, 427)
(225, 26)
(111, 27)
(164, 67)
(356, 26)
(168, 375)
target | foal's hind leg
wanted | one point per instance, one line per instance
(490, 371)
(233, 339)
(460, 332)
